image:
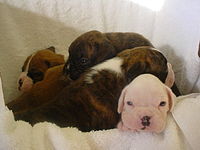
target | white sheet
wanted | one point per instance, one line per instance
(26, 26)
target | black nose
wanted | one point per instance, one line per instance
(20, 82)
(145, 120)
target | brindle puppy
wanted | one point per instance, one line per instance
(90, 103)
(94, 47)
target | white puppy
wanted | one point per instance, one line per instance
(144, 104)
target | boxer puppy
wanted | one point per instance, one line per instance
(94, 47)
(36, 65)
(144, 104)
(41, 92)
(90, 102)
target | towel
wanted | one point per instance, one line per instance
(181, 133)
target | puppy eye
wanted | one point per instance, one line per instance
(129, 103)
(84, 60)
(162, 103)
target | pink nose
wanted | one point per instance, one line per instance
(146, 121)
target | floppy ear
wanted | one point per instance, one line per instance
(171, 98)
(54, 60)
(121, 101)
(52, 48)
(170, 79)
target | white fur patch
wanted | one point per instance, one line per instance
(113, 64)
(23, 75)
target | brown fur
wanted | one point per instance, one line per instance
(41, 61)
(94, 47)
(94, 106)
(41, 92)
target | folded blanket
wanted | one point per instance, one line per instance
(181, 133)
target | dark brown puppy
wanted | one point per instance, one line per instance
(36, 65)
(90, 103)
(41, 92)
(94, 47)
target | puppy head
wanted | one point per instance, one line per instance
(144, 104)
(87, 50)
(36, 65)
(146, 59)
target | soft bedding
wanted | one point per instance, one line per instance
(181, 133)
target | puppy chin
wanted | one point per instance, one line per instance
(74, 75)
(154, 128)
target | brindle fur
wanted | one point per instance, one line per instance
(97, 47)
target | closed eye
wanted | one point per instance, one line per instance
(129, 103)
(163, 103)
(83, 60)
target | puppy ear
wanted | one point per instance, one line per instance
(54, 60)
(170, 79)
(121, 101)
(52, 48)
(171, 98)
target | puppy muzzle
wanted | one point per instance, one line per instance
(146, 121)
(24, 82)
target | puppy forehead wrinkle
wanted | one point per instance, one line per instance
(145, 79)
(113, 64)
(147, 87)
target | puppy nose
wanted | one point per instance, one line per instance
(145, 120)
(20, 82)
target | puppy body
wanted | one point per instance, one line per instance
(36, 65)
(144, 104)
(113, 65)
(94, 47)
(41, 92)
(93, 105)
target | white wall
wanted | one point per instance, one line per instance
(177, 33)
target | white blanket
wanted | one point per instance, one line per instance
(182, 133)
